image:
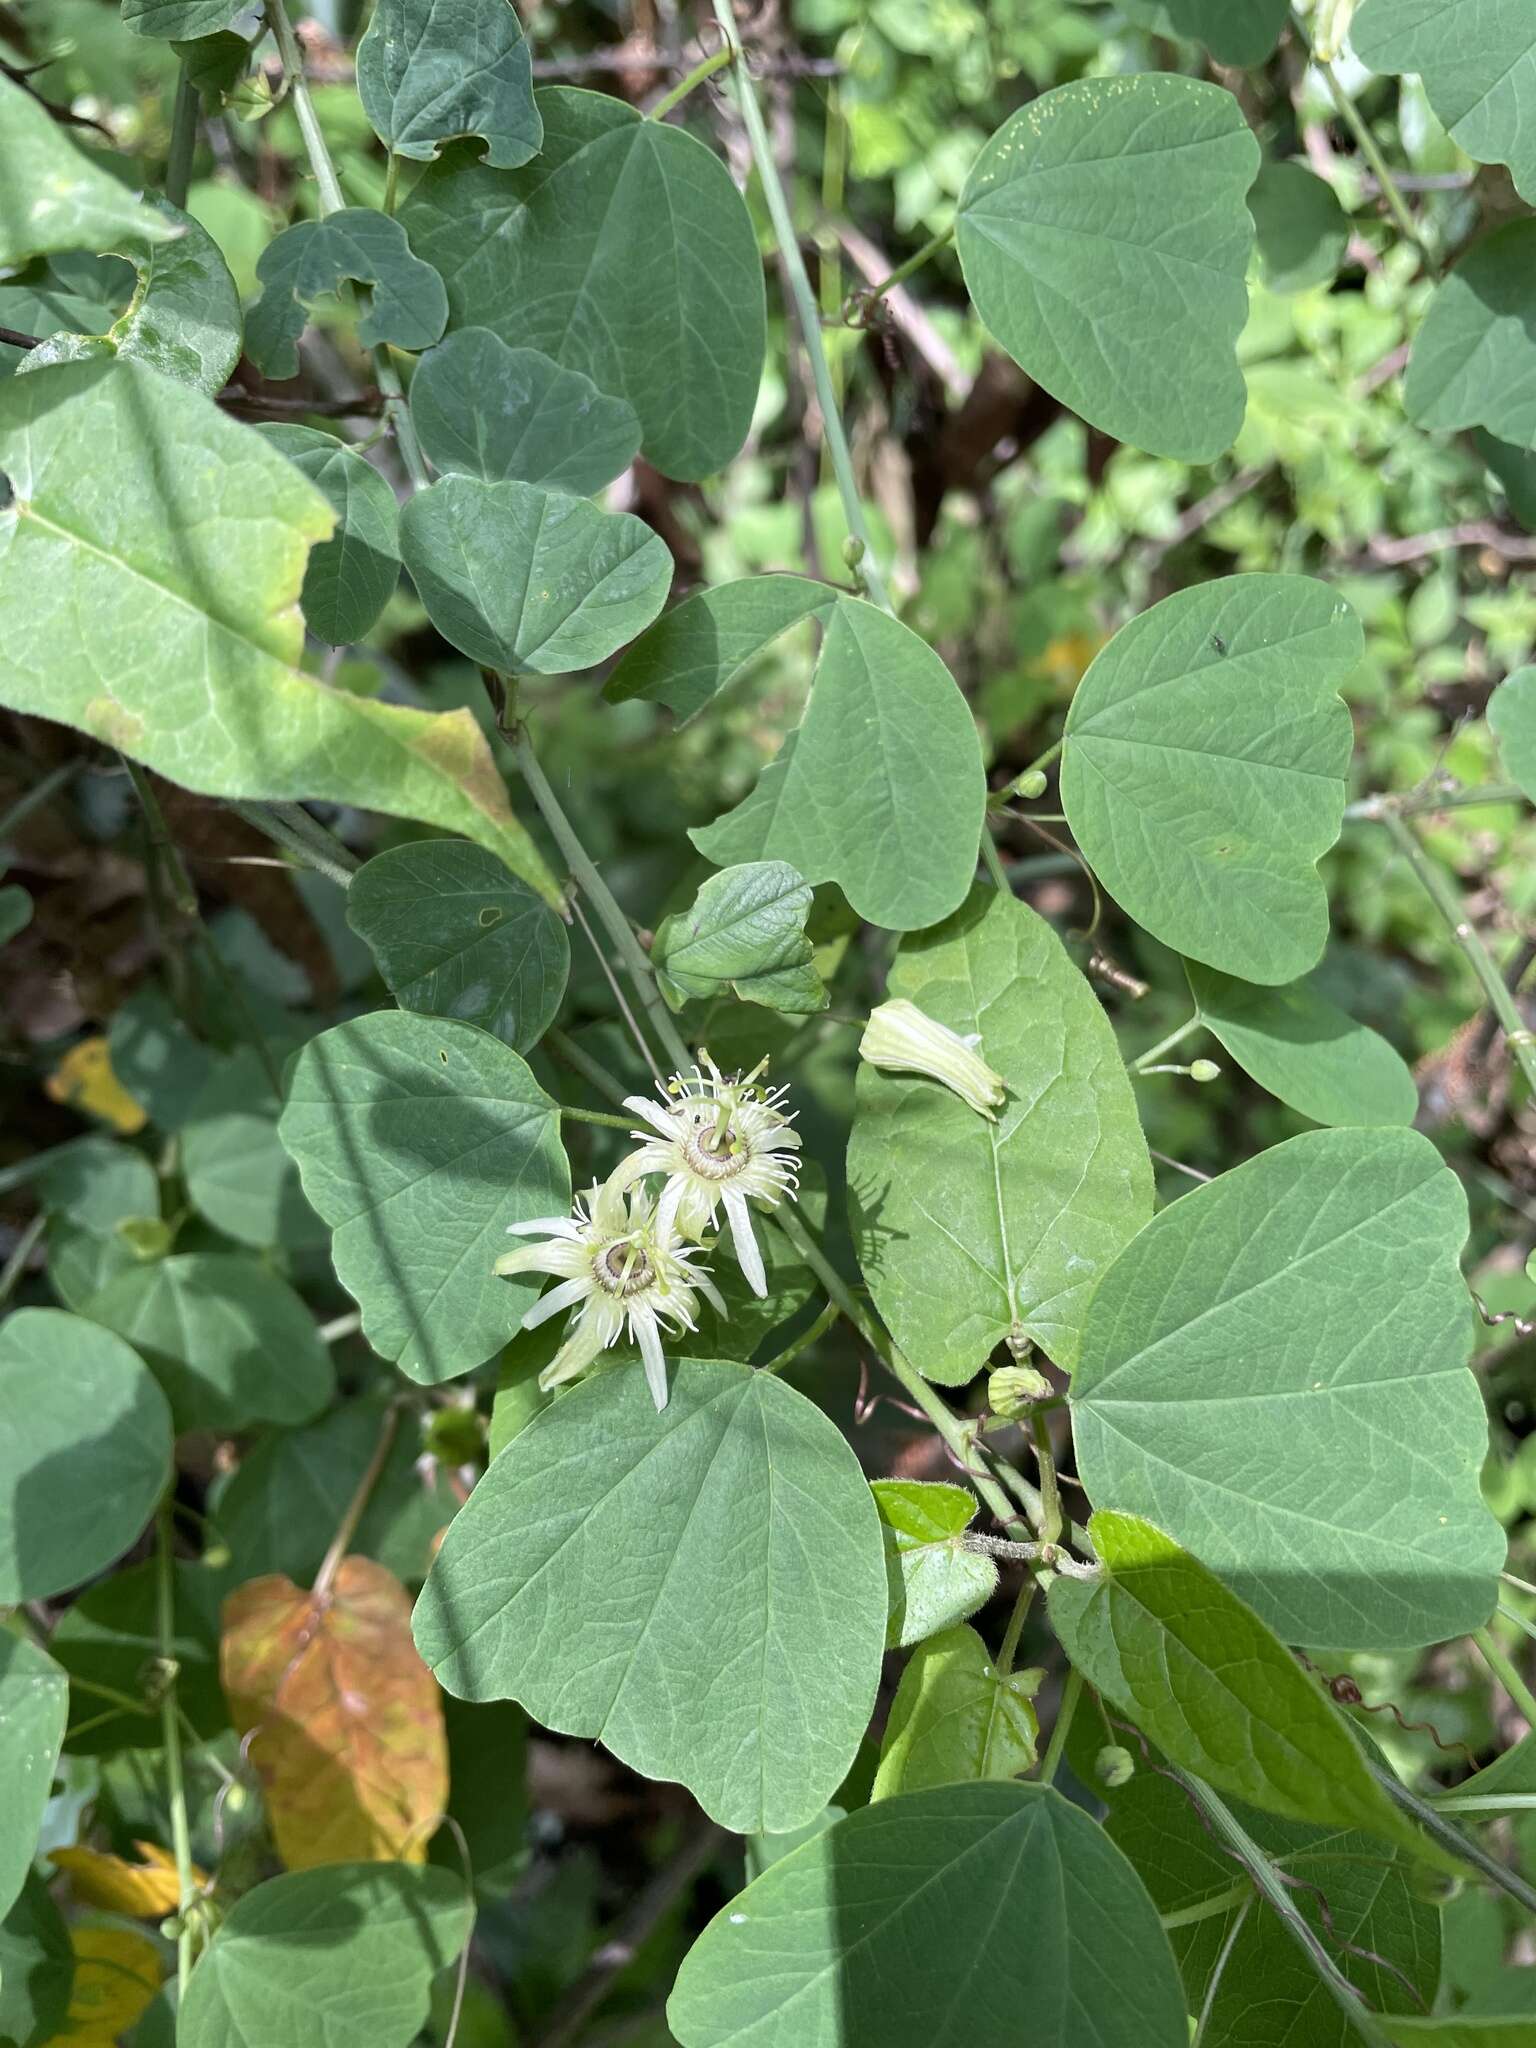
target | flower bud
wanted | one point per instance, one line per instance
(1114, 1766)
(898, 1035)
(853, 551)
(1013, 1390)
(1204, 1070)
(1031, 783)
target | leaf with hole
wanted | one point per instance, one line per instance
(938, 1920)
(343, 1957)
(624, 251)
(1478, 66)
(1104, 241)
(406, 305)
(956, 1717)
(1473, 364)
(419, 1140)
(1163, 1640)
(1275, 1373)
(934, 1580)
(456, 935)
(230, 1343)
(756, 1517)
(57, 198)
(743, 932)
(34, 1705)
(1009, 1225)
(352, 576)
(429, 73)
(338, 1715)
(134, 495)
(528, 580)
(880, 789)
(1203, 769)
(183, 319)
(85, 1451)
(1305, 1050)
(513, 415)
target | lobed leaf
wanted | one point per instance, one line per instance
(1005, 1228)
(1104, 241)
(1203, 769)
(736, 1648)
(934, 1581)
(406, 305)
(338, 1714)
(1275, 1372)
(419, 1141)
(623, 251)
(427, 73)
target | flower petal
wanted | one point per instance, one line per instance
(553, 1257)
(659, 1118)
(748, 1257)
(574, 1355)
(652, 1358)
(560, 1297)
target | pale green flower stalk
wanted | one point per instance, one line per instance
(620, 1265)
(900, 1036)
(718, 1140)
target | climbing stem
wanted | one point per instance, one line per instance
(178, 163)
(597, 1116)
(170, 1725)
(1442, 892)
(1153, 1052)
(604, 905)
(1365, 142)
(805, 307)
(1009, 1647)
(334, 860)
(1503, 1668)
(1071, 1693)
(717, 62)
(903, 271)
(347, 1528)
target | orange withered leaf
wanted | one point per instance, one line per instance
(345, 1721)
(148, 1889)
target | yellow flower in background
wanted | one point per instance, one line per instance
(117, 1974)
(147, 1890)
(85, 1081)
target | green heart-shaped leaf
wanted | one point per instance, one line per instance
(1478, 70)
(352, 576)
(513, 415)
(956, 1718)
(1474, 361)
(428, 73)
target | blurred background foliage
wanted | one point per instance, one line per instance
(1020, 540)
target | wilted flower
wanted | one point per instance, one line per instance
(619, 1263)
(717, 1139)
(900, 1035)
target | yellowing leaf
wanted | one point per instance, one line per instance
(117, 1973)
(148, 1889)
(348, 1721)
(85, 1080)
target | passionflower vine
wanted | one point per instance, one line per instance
(620, 1265)
(902, 1036)
(717, 1140)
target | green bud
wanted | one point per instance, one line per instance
(900, 1036)
(1204, 1070)
(1434, 1887)
(853, 551)
(1030, 783)
(146, 1236)
(1013, 1389)
(455, 1436)
(1114, 1766)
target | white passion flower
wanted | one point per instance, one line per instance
(901, 1036)
(717, 1139)
(619, 1264)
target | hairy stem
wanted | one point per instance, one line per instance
(1414, 803)
(597, 1116)
(1443, 894)
(805, 306)
(265, 819)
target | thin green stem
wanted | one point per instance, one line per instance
(319, 838)
(992, 863)
(904, 270)
(1225, 1823)
(1450, 1837)
(1052, 1518)
(1223, 1957)
(1521, 1622)
(338, 866)
(836, 439)
(602, 900)
(16, 1264)
(592, 1071)
(1207, 1909)
(803, 1342)
(1416, 803)
(1365, 142)
(1442, 893)
(1486, 1802)
(1008, 1649)
(38, 795)
(1056, 1749)
(695, 77)
(597, 1116)
(1503, 1668)
(332, 200)
(1153, 1052)
(184, 113)
(330, 1564)
(391, 183)
(170, 1725)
